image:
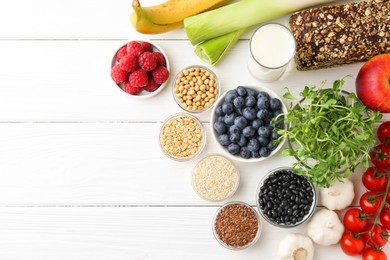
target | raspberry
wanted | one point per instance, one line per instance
(160, 58)
(134, 47)
(138, 78)
(147, 61)
(131, 90)
(160, 74)
(129, 63)
(152, 85)
(119, 75)
(121, 53)
(146, 46)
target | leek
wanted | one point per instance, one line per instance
(242, 14)
(211, 51)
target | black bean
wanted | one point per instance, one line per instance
(269, 204)
(305, 201)
(284, 202)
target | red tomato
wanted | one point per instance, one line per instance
(377, 237)
(375, 179)
(355, 220)
(380, 156)
(371, 254)
(385, 218)
(370, 202)
(352, 245)
(383, 132)
(388, 197)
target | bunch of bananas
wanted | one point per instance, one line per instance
(169, 15)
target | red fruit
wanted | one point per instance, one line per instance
(352, 245)
(131, 90)
(383, 132)
(152, 85)
(118, 75)
(385, 218)
(374, 254)
(160, 74)
(146, 46)
(370, 202)
(373, 83)
(129, 63)
(377, 237)
(355, 220)
(138, 78)
(160, 58)
(380, 156)
(147, 61)
(135, 48)
(375, 179)
(121, 53)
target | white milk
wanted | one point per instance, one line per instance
(272, 47)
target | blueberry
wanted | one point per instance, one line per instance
(262, 94)
(240, 122)
(275, 104)
(249, 131)
(263, 141)
(234, 129)
(245, 153)
(221, 119)
(218, 111)
(251, 92)
(264, 152)
(220, 127)
(264, 115)
(257, 123)
(249, 113)
(233, 149)
(255, 154)
(239, 111)
(250, 101)
(264, 131)
(243, 141)
(274, 135)
(229, 119)
(227, 108)
(271, 146)
(234, 137)
(262, 103)
(277, 112)
(230, 96)
(224, 140)
(241, 91)
(253, 145)
(239, 102)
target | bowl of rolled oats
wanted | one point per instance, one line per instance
(182, 137)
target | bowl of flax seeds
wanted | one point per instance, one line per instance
(237, 225)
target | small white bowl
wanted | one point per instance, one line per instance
(215, 135)
(144, 94)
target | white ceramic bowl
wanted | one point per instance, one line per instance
(144, 94)
(214, 134)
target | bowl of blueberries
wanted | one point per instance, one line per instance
(245, 123)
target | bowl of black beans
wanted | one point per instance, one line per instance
(286, 199)
(245, 123)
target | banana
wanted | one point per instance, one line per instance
(173, 11)
(143, 24)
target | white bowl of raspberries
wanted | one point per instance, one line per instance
(140, 68)
(245, 123)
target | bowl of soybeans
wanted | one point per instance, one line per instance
(196, 88)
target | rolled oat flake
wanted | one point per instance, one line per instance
(215, 178)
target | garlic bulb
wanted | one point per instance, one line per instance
(338, 196)
(296, 247)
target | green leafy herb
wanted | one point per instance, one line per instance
(330, 132)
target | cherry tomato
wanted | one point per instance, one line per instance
(355, 220)
(380, 156)
(377, 237)
(388, 197)
(375, 179)
(385, 218)
(370, 202)
(383, 132)
(371, 254)
(352, 245)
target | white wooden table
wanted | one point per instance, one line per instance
(81, 172)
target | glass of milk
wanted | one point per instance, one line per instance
(272, 47)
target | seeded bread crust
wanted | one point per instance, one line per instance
(341, 34)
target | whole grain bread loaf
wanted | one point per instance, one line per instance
(341, 34)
